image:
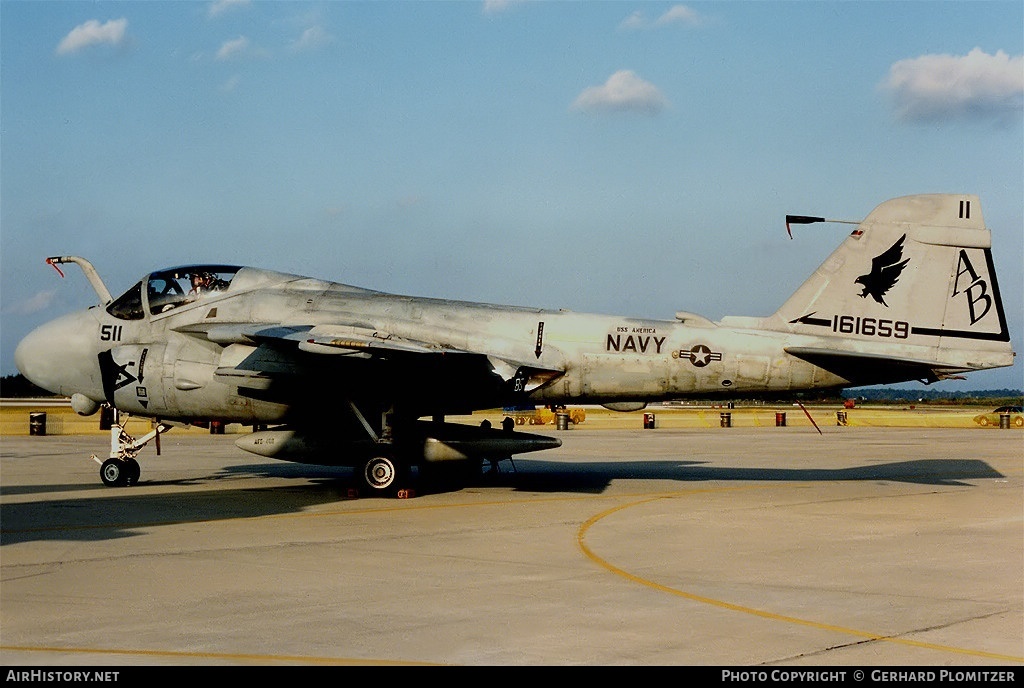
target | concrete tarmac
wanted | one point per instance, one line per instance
(767, 547)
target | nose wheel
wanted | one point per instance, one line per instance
(120, 472)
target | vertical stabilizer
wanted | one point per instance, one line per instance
(913, 282)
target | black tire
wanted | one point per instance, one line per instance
(134, 470)
(380, 475)
(114, 473)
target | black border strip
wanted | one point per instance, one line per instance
(1002, 336)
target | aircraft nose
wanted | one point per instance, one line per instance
(27, 359)
(60, 356)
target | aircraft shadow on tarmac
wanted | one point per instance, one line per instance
(542, 476)
(122, 512)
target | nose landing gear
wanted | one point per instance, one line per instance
(121, 469)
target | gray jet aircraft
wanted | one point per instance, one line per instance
(333, 374)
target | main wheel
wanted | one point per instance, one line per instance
(1019, 421)
(114, 473)
(380, 473)
(983, 422)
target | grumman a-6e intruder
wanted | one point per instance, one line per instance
(338, 375)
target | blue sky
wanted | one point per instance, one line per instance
(631, 158)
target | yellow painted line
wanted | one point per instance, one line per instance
(590, 554)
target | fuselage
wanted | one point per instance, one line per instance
(147, 358)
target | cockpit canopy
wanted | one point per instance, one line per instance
(165, 290)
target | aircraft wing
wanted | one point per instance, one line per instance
(354, 340)
(344, 340)
(870, 369)
(313, 350)
(332, 339)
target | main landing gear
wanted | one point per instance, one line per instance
(383, 473)
(388, 473)
(121, 469)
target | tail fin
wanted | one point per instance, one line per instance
(910, 294)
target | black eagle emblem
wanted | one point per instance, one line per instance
(885, 272)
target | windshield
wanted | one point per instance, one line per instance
(128, 306)
(170, 289)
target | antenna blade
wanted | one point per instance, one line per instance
(802, 219)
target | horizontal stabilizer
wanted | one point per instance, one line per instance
(874, 369)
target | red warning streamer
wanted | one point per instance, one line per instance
(49, 261)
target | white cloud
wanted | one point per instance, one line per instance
(93, 33)
(637, 20)
(677, 14)
(312, 38)
(499, 6)
(219, 7)
(33, 304)
(233, 48)
(934, 88)
(625, 92)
